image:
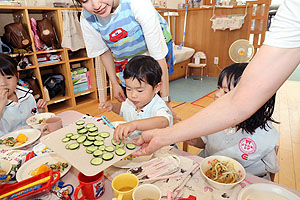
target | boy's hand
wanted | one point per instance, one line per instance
(121, 132)
(106, 105)
(3, 97)
(41, 105)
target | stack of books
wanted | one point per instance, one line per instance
(10, 3)
(81, 79)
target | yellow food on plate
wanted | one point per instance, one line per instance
(41, 169)
(22, 138)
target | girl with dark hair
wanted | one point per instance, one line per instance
(253, 141)
(16, 103)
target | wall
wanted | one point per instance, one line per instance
(201, 37)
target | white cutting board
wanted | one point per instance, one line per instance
(79, 158)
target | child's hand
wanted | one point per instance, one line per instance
(122, 131)
(106, 105)
(41, 105)
(3, 97)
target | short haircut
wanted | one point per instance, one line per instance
(8, 66)
(143, 68)
(261, 117)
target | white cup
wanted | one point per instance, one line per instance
(146, 192)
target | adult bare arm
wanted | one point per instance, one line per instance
(264, 75)
(108, 62)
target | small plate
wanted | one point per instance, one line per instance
(32, 134)
(263, 191)
(5, 165)
(51, 158)
(132, 161)
(34, 121)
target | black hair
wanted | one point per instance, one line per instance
(261, 117)
(143, 68)
(8, 66)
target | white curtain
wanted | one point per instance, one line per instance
(72, 34)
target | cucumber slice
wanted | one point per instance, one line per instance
(80, 127)
(104, 134)
(82, 131)
(81, 139)
(93, 129)
(75, 137)
(98, 153)
(93, 134)
(74, 146)
(98, 143)
(99, 138)
(69, 135)
(87, 143)
(96, 161)
(120, 152)
(102, 148)
(91, 138)
(120, 146)
(114, 142)
(64, 140)
(90, 125)
(107, 156)
(67, 146)
(91, 149)
(130, 146)
(109, 148)
(80, 122)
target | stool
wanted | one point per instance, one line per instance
(199, 61)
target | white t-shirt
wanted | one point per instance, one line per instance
(285, 29)
(156, 107)
(143, 12)
(15, 114)
(255, 152)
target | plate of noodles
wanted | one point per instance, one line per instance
(222, 172)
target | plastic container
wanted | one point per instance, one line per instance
(38, 186)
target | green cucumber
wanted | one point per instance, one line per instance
(74, 146)
(96, 161)
(87, 143)
(120, 146)
(130, 146)
(107, 156)
(75, 137)
(91, 138)
(81, 139)
(104, 134)
(120, 152)
(98, 153)
(80, 127)
(82, 131)
(102, 148)
(109, 148)
(99, 138)
(98, 143)
(90, 125)
(114, 142)
(67, 146)
(93, 134)
(80, 122)
(91, 149)
(69, 135)
(67, 139)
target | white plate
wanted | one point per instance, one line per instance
(32, 134)
(33, 121)
(131, 161)
(29, 166)
(5, 165)
(262, 191)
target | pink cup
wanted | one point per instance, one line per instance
(52, 124)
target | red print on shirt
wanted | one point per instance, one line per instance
(117, 35)
(247, 146)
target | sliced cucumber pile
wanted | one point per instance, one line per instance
(94, 143)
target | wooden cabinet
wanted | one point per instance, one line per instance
(58, 103)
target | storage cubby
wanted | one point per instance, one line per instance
(58, 103)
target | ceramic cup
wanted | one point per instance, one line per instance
(52, 124)
(92, 187)
(146, 192)
(124, 185)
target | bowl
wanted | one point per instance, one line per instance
(206, 164)
(5, 166)
(37, 121)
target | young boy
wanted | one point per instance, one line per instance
(143, 108)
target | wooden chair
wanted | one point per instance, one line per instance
(200, 61)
